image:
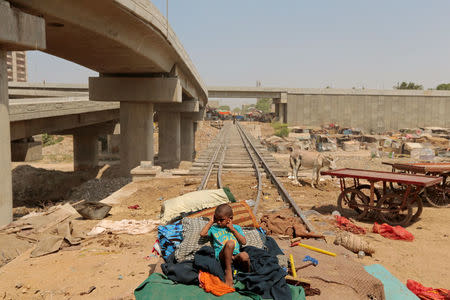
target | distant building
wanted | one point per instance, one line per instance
(213, 103)
(16, 63)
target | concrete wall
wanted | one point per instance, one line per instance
(371, 110)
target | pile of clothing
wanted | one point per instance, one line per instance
(201, 275)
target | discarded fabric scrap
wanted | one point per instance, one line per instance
(427, 293)
(393, 233)
(345, 224)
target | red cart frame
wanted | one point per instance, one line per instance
(392, 207)
(437, 195)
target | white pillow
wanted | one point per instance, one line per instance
(191, 202)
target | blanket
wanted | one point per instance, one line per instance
(158, 286)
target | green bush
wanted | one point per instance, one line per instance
(281, 130)
(48, 139)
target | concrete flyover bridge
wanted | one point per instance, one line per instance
(140, 60)
(371, 110)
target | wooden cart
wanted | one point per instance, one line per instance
(437, 195)
(392, 207)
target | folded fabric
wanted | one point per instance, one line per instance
(186, 272)
(393, 233)
(278, 224)
(427, 293)
(190, 202)
(266, 278)
(212, 284)
(205, 259)
(170, 236)
(242, 214)
(345, 224)
(182, 272)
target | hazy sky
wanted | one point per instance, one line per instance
(296, 43)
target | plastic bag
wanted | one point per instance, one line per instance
(393, 233)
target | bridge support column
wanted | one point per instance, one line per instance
(176, 132)
(169, 141)
(137, 96)
(281, 108)
(18, 31)
(5, 148)
(187, 138)
(282, 112)
(136, 134)
(85, 150)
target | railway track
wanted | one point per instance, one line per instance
(235, 150)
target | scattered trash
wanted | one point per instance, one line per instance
(93, 210)
(393, 233)
(313, 248)
(353, 243)
(250, 202)
(361, 254)
(90, 290)
(134, 206)
(156, 248)
(124, 226)
(161, 198)
(311, 259)
(335, 213)
(345, 224)
(427, 292)
(311, 262)
(120, 277)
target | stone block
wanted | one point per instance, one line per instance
(141, 173)
(113, 141)
(26, 151)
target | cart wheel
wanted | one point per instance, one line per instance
(392, 213)
(438, 196)
(348, 202)
(365, 188)
(417, 207)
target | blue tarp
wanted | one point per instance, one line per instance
(393, 288)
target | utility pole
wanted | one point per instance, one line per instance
(167, 18)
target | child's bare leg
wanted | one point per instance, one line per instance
(243, 261)
(226, 257)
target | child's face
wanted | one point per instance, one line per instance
(222, 221)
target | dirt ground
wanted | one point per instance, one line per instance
(117, 264)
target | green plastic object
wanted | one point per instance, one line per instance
(157, 287)
(393, 288)
(229, 194)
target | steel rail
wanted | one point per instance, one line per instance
(281, 190)
(255, 165)
(219, 170)
(212, 162)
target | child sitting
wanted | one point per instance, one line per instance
(226, 240)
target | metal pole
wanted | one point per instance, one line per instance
(167, 18)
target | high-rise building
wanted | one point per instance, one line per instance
(16, 62)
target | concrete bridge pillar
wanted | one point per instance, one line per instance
(187, 138)
(282, 112)
(281, 108)
(5, 150)
(136, 134)
(18, 31)
(176, 132)
(137, 96)
(85, 150)
(169, 150)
